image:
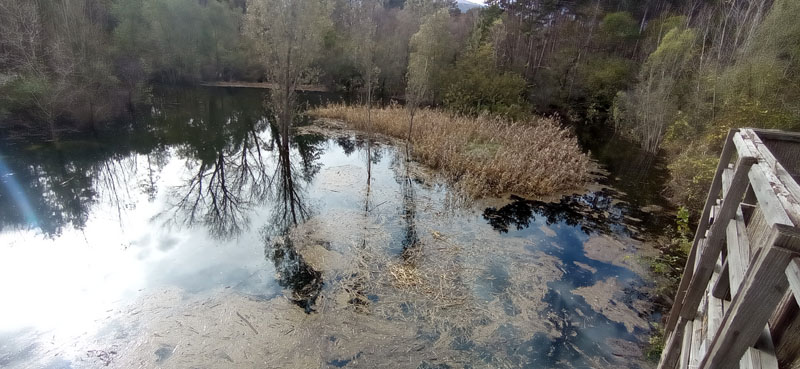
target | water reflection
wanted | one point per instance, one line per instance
(573, 223)
(595, 211)
(288, 211)
(47, 193)
(410, 240)
(226, 183)
(203, 193)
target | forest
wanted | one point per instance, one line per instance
(674, 75)
(133, 111)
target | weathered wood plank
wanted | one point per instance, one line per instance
(696, 353)
(785, 314)
(793, 275)
(775, 134)
(751, 308)
(756, 268)
(671, 353)
(785, 329)
(716, 238)
(762, 180)
(686, 345)
(784, 186)
(714, 317)
(723, 283)
(761, 357)
(728, 149)
(749, 196)
(738, 251)
(727, 179)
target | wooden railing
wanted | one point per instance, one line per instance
(744, 266)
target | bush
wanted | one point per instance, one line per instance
(478, 87)
(692, 171)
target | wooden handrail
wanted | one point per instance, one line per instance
(762, 260)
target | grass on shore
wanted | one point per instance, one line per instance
(484, 156)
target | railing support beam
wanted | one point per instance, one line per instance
(750, 310)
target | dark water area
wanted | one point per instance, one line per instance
(194, 234)
(636, 173)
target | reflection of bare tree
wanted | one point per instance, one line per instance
(410, 238)
(354, 284)
(310, 150)
(113, 181)
(155, 162)
(347, 144)
(290, 210)
(223, 190)
(61, 193)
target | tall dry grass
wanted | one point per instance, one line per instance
(485, 156)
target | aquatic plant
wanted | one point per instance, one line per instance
(484, 155)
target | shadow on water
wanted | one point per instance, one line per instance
(636, 173)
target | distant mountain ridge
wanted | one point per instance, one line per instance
(466, 5)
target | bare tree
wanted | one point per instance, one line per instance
(21, 43)
(430, 53)
(416, 90)
(288, 35)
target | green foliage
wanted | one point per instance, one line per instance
(619, 27)
(656, 99)
(692, 171)
(682, 218)
(752, 81)
(674, 50)
(22, 93)
(179, 40)
(655, 344)
(657, 28)
(479, 87)
(601, 78)
(763, 87)
(431, 56)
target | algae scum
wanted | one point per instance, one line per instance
(201, 238)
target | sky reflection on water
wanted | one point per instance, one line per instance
(202, 193)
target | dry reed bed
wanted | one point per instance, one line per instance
(485, 156)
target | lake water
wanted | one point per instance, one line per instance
(194, 235)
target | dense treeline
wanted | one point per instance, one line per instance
(672, 74)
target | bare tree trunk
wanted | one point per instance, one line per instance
(408, 136)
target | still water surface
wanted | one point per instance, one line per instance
(196, 236)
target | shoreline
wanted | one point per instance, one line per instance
(263, 85)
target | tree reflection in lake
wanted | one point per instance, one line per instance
(594, 211)
(227, 155)
(409, 211)
(318, 226)
(59, 184)
(289, 209)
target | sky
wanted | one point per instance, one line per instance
(479, 2)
